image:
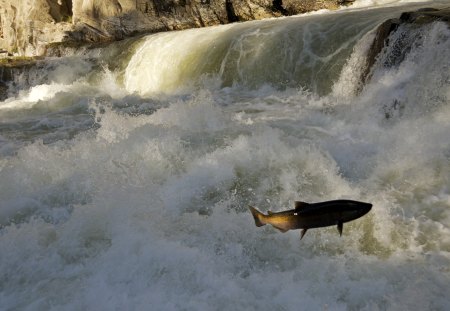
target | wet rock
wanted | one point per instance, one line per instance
(295, 7)
(425, 16)
(400, 47)
(379, 42)
(3, 91)
(11, 68)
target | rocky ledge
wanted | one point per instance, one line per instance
(28, 28)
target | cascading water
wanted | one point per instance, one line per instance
(126, 185)
(282, 53)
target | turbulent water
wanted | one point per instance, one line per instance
(124, 184)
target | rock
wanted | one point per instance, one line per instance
(3, 91)
(11, 68)
(400, 48)
(380, 40)
(29, 27)
(425, 16)
(295, 7)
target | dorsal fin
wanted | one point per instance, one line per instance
(299, 205)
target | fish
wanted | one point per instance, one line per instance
(313, 215)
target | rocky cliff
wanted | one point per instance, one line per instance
(28, 27)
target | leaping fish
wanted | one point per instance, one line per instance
(313, 215)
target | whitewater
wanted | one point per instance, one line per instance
(126, 171)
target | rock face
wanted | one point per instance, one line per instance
(27, 27)
(400, 47)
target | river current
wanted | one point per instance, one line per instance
(126, 171)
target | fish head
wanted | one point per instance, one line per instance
(348, 210)
(357, 209)
(365, 208)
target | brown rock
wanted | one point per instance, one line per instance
(296, 7)
(28, 27)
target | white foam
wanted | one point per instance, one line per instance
(350, 78)
(380, 3)
(27, 99)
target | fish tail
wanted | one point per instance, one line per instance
(258, 216)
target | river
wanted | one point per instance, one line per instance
(124, 182)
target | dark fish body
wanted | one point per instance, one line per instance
(313, 215)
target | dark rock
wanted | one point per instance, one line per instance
(400, 48)
(3, 91)
(10, 68)
(231, 14)
(379, 42)
(426, 15)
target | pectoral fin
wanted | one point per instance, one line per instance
(302, 233)
(340, 226)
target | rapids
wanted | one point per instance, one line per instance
(126, 171)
